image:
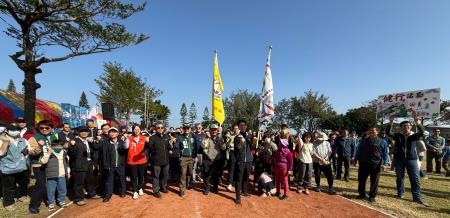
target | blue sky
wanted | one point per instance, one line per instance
(349, 50)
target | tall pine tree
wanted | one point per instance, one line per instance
(192, 114)
(11, 86)
(183, 113)
(83, 101)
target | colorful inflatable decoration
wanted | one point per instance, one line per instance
(12, 106)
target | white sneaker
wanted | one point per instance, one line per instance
(51, 207)
(135, 195)
(264, 195)
(229, 187)
(10, 207)
(141, 192)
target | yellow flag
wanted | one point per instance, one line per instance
(217, 103)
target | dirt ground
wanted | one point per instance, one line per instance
(195, 204)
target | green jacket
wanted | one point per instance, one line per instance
(187, 145)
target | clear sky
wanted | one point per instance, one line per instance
(349, 50)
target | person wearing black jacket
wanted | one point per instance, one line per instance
(81, 166)
(244, 159)
(345, 150)
(66, 134)
(405, 156)
(112, 154)
(159, 150)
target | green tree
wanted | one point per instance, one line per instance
(192, 114)
(83, 101)
(309, 111)
(206, 118)
(242, 104)
(123, 88)
(75, 27)
(282, 110)
(183, 113)
(360, 119)
(11, 86)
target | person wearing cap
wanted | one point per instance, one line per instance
(39, 144)
(405, 156)
(81, 165)
(372, 156)
(112, 155)
(244, 159)
(435, 145)
(446, 158)
(24, 133)
(345, 150)
(55, 161)
(213, 147)
(321, 162)
(187, 144)
(159, 149)
(282, 164)
(137, 160)
(13, 166)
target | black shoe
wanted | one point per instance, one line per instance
(157, 194)
(362, 197)
(400, 196)
(205, 192)
(246, 195)
(94, 197)
(372, 200)
(123, 195)
(164, 191)
(33, 210)
(237, 201)
(106, 200)
(284, 197)
(181, 194)
(190, 187)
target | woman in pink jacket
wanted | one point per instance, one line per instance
(282, 164)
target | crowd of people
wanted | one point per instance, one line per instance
(87, 162)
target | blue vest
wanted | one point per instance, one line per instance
(14, 161)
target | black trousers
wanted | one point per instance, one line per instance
(39, 193)
(9, 182)
(327, 170)
(437, 158)
(365, 170)
(346, 162)
(174, 169)
(243, 173)
(78, 179)
(91, 179)
(138, 176)
(160, 175)
(231, 168)
(211, 171)
(109, 175)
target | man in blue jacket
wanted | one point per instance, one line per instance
(371, 154)
(345, 150)
(405, 156)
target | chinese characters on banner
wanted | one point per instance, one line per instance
(426, 103)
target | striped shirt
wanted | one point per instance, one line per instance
(322, 150)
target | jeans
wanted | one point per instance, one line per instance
(437, 158)
(56, 184)
(160, 175)
(109, 175)
(412, 169)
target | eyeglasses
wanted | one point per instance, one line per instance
(159, 127)
(44, 128)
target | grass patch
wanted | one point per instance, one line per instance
(435, 191)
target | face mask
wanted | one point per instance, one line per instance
(57, 150)
(2, 129)
(14, 133)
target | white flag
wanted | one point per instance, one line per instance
(267, 108)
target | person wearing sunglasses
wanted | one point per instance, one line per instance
(435, 144)
(159, 148)
(39, 144)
